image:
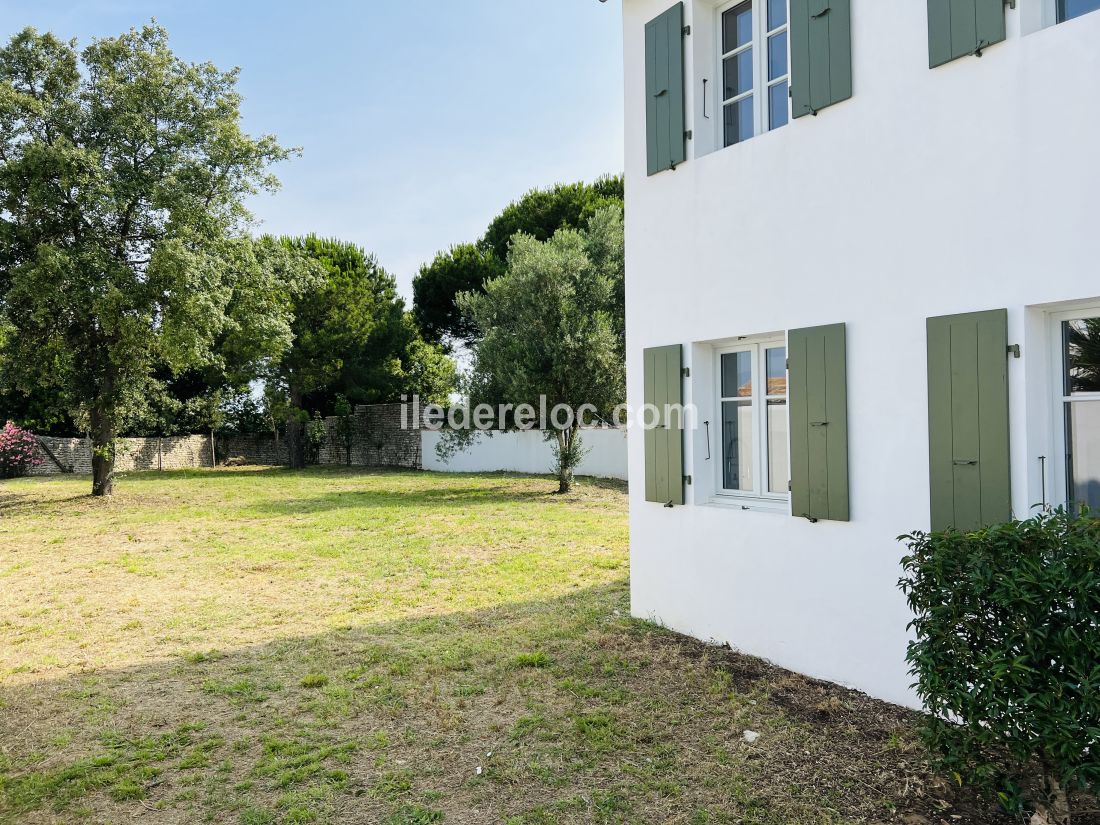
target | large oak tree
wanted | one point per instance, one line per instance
(123, 245)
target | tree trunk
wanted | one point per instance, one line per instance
(1055, 809)
(565, 460)
(103, 450)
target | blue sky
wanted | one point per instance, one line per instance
(418, 120)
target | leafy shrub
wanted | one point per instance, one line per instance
(315, 438)
(17, 451)
(1007, 656)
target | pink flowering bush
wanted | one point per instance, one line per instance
(17, 451)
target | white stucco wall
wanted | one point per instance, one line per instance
(970, 187)
(529, 452)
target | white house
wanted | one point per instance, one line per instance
(863, 237)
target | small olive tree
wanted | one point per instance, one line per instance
(1007, 657)
(549, 333)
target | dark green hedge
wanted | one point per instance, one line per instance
(1007, 654)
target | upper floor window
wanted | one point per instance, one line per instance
(754, 68)
(1068, 9)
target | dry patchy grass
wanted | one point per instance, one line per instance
(264, 646)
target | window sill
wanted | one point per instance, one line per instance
(763, 505)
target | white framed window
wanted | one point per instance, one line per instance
(753, 67)
(1075, 339)
(752, 415)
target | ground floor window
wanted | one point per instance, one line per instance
(1080, 408)
(752, 393)
(1068, 9)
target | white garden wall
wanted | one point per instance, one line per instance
(529, 452)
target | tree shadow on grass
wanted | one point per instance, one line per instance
(556, 710)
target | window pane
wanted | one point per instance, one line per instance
(737, 121)
(1081, 348)
(777, 446)
(736, 27)
(737, 375)
(777, 371)
(737, 74)
(777, 55)
(777, 105)
(737, 454)
(1075, 8)
(1083, 459)
(777, 13)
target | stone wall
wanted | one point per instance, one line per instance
(75, 454)
(253, 449)
(377, 440)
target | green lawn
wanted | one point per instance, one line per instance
(266, 646)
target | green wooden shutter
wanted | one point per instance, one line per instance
(960, 27)
(968, 420)
(664, 444)
(821, 54)
(818, 395)
(664, 90)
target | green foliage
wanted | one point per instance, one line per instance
(1084, 346)
(1007, 654)
(123, 177)
(353, 337)
(315, 438)
(243, 414)
(344, 430)
(550, 327)
(467, 267)
(462, 268)
(429, 372)
(542, 212)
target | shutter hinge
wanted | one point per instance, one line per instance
(788, 366)
(1010, 3)
(686, 31)
(687, 134)
(687, 480)
(1014, 350)
(686, 372)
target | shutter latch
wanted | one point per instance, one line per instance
(981, 45)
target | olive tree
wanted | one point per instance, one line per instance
(123, 175)
(549, 333)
